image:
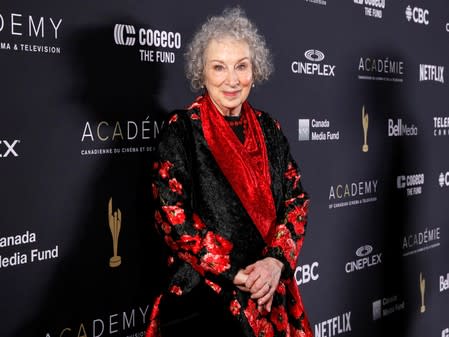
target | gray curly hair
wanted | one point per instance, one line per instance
(231, 23)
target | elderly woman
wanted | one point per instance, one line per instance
(229, 201)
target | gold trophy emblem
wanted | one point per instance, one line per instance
(115, 222)
(422, 289)
(365, 130)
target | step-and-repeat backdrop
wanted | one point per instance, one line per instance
(360, 89)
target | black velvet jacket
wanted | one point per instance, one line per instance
(211, 236)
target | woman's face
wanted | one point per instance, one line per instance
(228, 74)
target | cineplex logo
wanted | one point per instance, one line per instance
(18, 25)
(366, 258)
(430, 72)
(417, 15)
(443, 179)
(373, 8)
(128, 35)
(397, 128)
(320, 130)
(7, 148)
(314, 67)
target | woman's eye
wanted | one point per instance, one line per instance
(242, 66)
(218, 67)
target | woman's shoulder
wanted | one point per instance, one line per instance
(267, 120)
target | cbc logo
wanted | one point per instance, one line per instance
(445, 333)
(418, 15)
(125, 35)
(306, 273)
(443, 179)
(7, 148)
(447, 27)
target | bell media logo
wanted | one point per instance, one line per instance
(121, 38)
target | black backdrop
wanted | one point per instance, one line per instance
(84, 86)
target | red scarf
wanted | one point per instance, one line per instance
(245, 165)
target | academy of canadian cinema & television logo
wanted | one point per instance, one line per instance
(353, 193)
(39, 32)
(154, 45)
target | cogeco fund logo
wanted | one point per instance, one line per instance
(372, 8)
(314, 67)
(381, 69)
(365, 259)
(8, 148)
(417, 15)
(316, 130)
(398, 128)
(443, 179)
(431, 72)
(148, 39)
(28, 33)
(412, 183)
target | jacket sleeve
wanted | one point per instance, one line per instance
(187, 237)
(289, 233)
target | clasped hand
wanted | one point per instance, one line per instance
(261, 280)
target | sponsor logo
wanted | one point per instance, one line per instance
(164, 41)
(444, 282)
(317, 2)
(386, 306)
(441, 126)
(316, 130)
(7, 148)
(365, 259)
(365, 123)
(419, 242)
(411, 183)
(447, 27)
(398, 128)
(381, 69)
(445, 333)
(115, 224)
(373, 8)
(417, 15)
(29, 33)
(422, 291)
(119, 137)
(306, 273)
(25, 252)
(313, 68)
(443, 179)
(121, 322)
(334, 326)
(429, 72)
(351, 194)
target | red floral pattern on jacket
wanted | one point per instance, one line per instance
(209, 253)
